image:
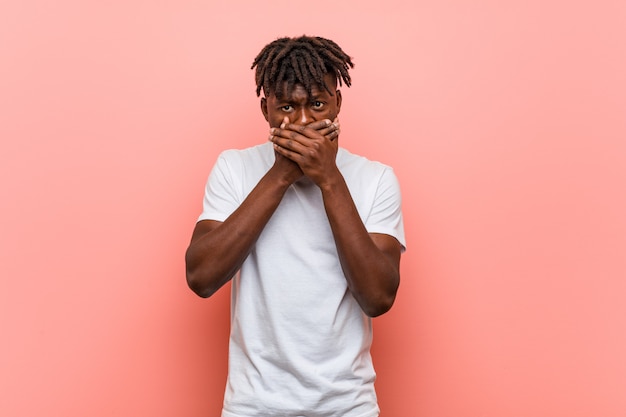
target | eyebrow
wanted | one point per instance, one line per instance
(289, 101)
(315, 95)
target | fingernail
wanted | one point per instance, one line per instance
(270, 137)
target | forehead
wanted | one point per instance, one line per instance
(299, 90)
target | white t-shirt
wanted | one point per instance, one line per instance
(300, 343)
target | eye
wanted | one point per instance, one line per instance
(286, 108)
(317, 104)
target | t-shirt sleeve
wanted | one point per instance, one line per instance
(220, 197)
(386, 214)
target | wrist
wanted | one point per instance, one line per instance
(283, 177)
(332, 183)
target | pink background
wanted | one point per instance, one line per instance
(505, 122)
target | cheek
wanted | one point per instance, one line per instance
(331, 113)
(274, 119)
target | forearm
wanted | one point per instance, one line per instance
(371, 272)
(215, 254)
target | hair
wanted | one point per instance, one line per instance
(304, 60)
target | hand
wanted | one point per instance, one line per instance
(331, 132)
(287, 169)
(312, 147)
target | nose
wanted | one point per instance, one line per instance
(303, 117)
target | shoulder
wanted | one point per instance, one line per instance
(262, 152)
(353, 165)
(255, 157)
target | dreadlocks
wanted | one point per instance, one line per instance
(304, 60)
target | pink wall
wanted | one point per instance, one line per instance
(505, 122)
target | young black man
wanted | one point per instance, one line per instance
(311, 236)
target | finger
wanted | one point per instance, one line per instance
(334, 127)
(306, 131)
(288, 140)
(337, 130)
(287, 153)
(275, 131)
(320, 124)
(332, 135)
(337, 126)
(278, 134)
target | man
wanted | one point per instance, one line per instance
(315, 233)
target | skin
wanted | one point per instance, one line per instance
(306, 144)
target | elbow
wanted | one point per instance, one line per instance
(197, 280)
(205, 281)
(199, 288)
(379, 307)
(382, 301)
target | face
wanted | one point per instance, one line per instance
(300, 108)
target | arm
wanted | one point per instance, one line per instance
(218, 249)
(370, 262)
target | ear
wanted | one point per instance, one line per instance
(264, 108)
(338, 98)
